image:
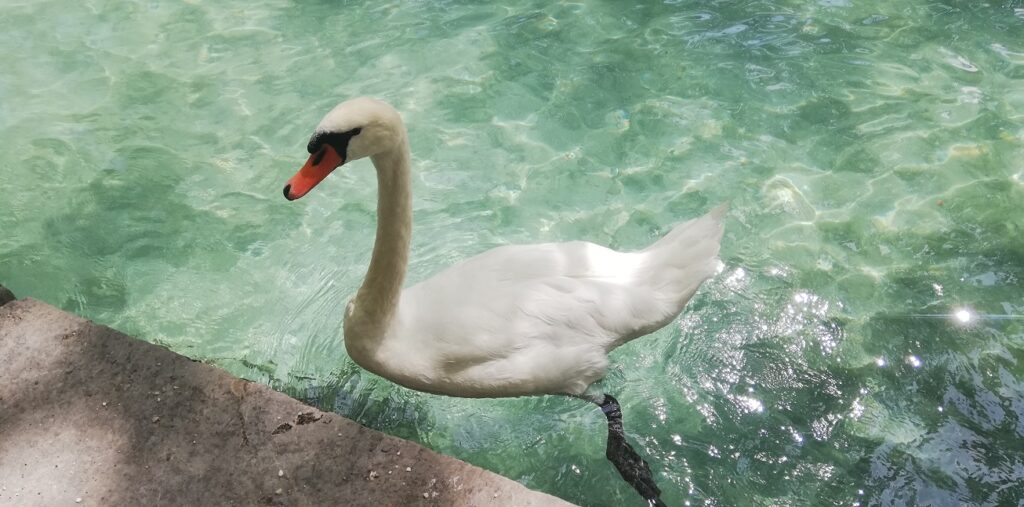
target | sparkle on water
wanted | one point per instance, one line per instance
(871, 152)
(963, 315)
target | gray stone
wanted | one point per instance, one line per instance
(6, 296)
(90, 415)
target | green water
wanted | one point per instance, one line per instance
(872, 151)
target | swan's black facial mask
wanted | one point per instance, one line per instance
(337, 140)
(328, 150)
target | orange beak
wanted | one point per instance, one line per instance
(319, 165)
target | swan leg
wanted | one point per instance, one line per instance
(631, 466)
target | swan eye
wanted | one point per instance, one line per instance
(319, 156)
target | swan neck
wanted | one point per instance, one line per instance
(377, 299)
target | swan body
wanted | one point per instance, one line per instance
(513, 321)
(537, 319)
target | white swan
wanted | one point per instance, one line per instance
(513, 321)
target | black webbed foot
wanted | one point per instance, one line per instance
(630, 465)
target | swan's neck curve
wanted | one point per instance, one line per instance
(376, 302)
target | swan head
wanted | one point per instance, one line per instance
(355, 129)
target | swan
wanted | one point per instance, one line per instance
(517, 320)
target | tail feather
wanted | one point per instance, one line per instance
(708, 226)
(677, 265)
(688, 254)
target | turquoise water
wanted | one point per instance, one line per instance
(863, 344)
